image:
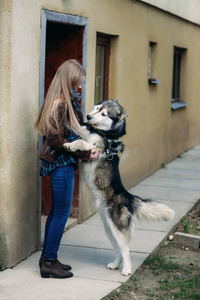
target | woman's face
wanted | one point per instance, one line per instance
(80, 85)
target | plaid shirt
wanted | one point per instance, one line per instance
(64, 158)
(61, 160)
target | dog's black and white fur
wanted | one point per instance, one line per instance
(118, 208)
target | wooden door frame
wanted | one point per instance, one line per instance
(63, 19)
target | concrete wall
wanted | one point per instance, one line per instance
(155, 134)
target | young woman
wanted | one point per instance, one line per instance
(59, 123)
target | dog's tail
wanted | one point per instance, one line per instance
(150, 210)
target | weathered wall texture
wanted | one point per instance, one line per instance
(5, 92)
(155, 134)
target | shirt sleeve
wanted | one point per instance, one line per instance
(56, 141)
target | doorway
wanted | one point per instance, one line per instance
(63, 42)
(63, 37)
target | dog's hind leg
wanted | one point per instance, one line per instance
(126, 270)
(118, 257)
(120, 242)
(123, 241)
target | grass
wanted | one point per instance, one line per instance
(158, 264)
(186, 225)
(163, 277)
(179, 281)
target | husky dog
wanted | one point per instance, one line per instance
(117, 207)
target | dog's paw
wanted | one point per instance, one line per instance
(126, 271)
(112, 266)
(78, 145)
(66, 146)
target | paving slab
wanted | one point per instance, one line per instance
(191, 161)
(93, 262)
(194, 151)
(87, 237)
(23, 285)
(165, 193)
(145, 241)
(190, 174)
(175, 183)
(87, 248)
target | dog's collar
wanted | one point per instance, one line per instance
(109, 151)
(105, 134)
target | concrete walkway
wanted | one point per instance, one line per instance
(87, 248)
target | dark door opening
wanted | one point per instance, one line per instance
(63, 42)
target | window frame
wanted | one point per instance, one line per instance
(178, 54)
(151, 63)
(104, 40)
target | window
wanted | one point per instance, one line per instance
(151, 63)
(152, 47)
(178, 68)
(102, 68)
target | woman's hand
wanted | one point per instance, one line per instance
(94, 154)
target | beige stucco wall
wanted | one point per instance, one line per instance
(155, 134)
(5, 91)
(186, 9)
(19, 97)
(25, 50)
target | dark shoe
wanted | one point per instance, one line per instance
(50, 268)
(64, 267)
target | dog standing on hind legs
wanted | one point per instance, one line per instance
(117, 207)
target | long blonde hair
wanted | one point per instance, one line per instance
(68, 76)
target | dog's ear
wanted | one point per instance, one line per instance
(122, 116)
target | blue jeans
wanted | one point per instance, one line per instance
(62, 187)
